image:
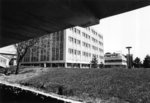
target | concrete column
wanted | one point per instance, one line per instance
(45, 65)
(79, 65)
(65, 65)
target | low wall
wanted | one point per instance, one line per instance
(10, 93)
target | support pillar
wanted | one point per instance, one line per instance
(44, 65)
(80, 66)
(65, 64)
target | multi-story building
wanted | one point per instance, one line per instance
(115, 60)
(73, 47)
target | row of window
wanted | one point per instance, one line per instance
(75, 30)
(94, 40)
(100, 57)
(86, 54)
(74, 40)
(101, 50)
(119, 60)
(86, 44)
(94, 48)
(100, 43)
(74, 51)
(89, 29)
(100, 36)
(86, 35)
(94, 55)
(95, 33)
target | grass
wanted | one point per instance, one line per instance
(25, 73)
(128, 85)
(10, 70)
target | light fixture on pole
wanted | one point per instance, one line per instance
(128, 57)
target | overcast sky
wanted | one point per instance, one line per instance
(127, 29)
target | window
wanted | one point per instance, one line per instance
(74, 51)
(109, 61)
(79, 52)
(86, 54)
(101, 57)
(78, 31)
(94, 48)
(74, 40)
(79, 42)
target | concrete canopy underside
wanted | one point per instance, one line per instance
(25, 19)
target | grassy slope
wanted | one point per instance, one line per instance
(129, 85)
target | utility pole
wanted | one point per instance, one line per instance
(128, 57)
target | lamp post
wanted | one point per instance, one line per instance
(128, 57)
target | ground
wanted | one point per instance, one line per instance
(89, 84)
(24, 74)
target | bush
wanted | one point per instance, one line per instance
(94, 62)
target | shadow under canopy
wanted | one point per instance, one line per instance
(25, 19)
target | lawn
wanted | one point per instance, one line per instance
(129, 85)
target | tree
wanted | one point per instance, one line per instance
(137, 62)
(22, 49)
(146, 62)
(94, 62)
(101, 65)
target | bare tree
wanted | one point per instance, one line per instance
(22, 49)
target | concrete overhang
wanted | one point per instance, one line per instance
(24, 19)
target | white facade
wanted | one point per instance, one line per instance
(73, 47)
(86, 46)
(5, 60)
(115, 60)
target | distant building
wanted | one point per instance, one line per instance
(73, 47)
(5, 59)
(115, 60)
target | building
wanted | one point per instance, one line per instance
(115, 60)
(73, 47)
(5, 59)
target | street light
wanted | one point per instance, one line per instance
(128, 57)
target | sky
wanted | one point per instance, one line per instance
(127, 29)
(119, 31)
